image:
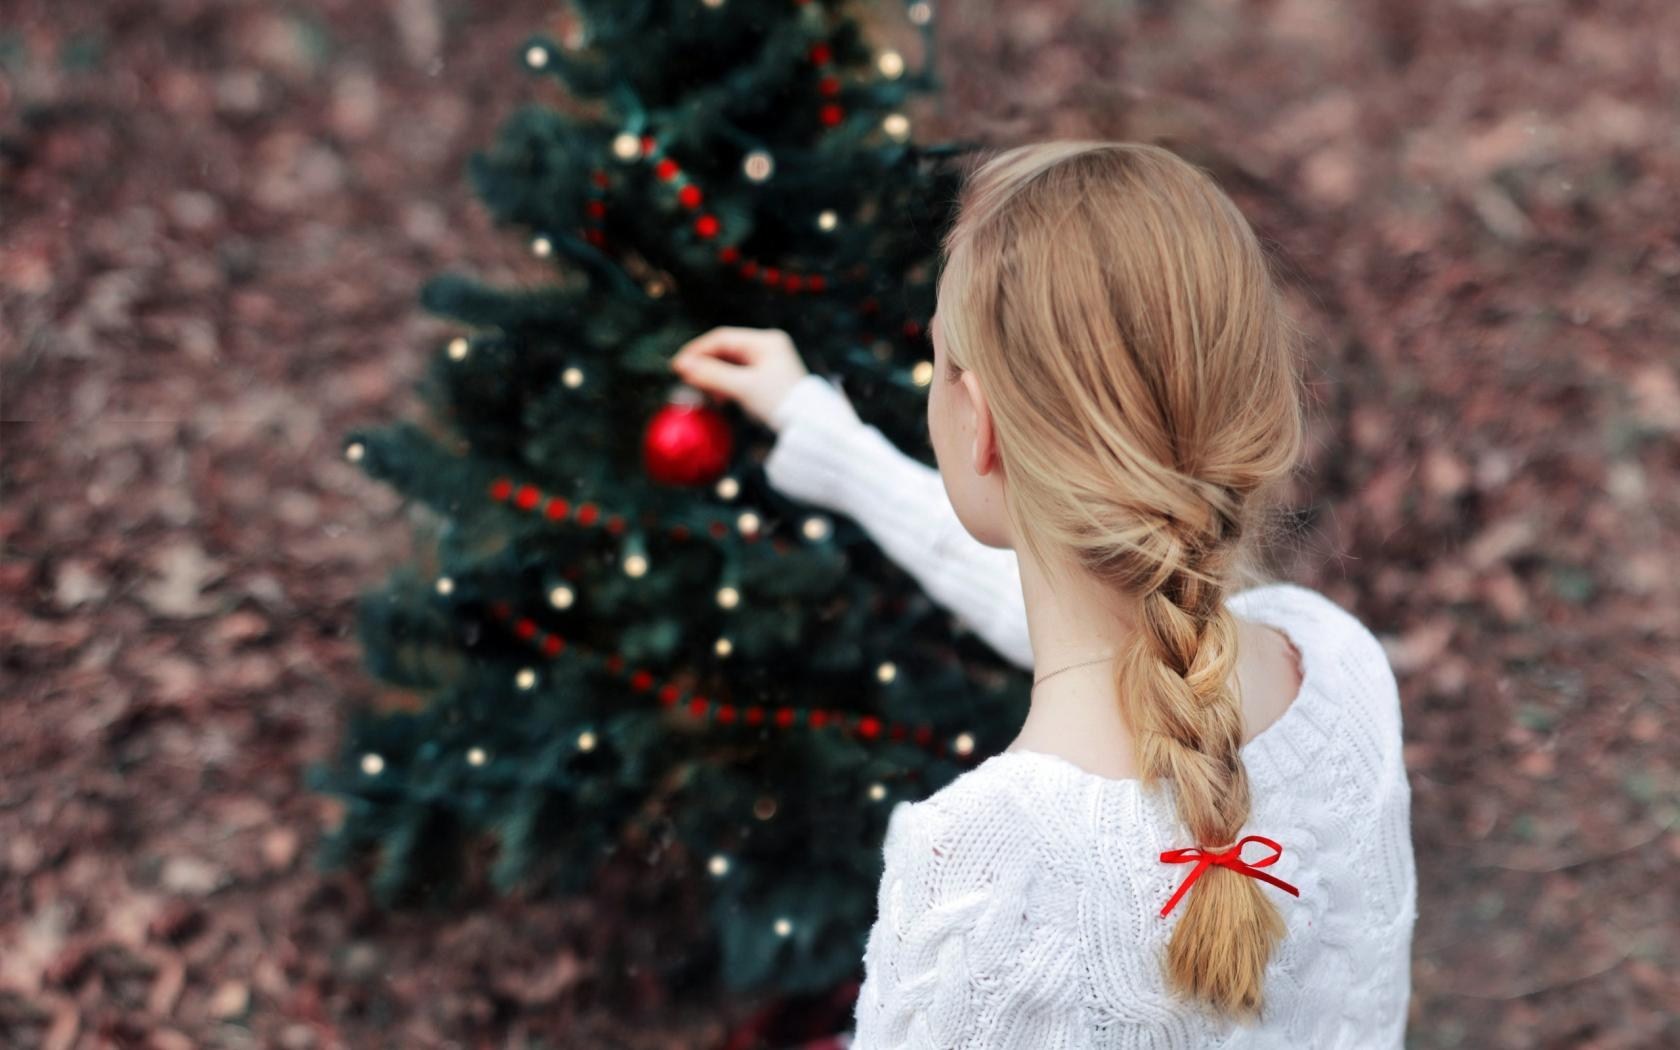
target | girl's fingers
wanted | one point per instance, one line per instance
(701, 344)
(735, 344)
(711, 375)
(715, 352)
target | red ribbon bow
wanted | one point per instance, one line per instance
(1227, 858)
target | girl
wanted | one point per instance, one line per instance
(1201, 836)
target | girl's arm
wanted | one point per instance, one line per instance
(825, 455)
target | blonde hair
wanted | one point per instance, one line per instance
(1121, 317)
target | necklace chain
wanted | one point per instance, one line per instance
(1069, 667)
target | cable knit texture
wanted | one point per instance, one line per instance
(1019, 905)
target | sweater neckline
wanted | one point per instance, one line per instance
(1270, 604)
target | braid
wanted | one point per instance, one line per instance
(1187, 723)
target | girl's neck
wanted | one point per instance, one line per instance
(1076, 715)
(1071, 619)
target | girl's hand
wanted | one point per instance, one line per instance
(755, 367)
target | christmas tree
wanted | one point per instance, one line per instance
(618, 634)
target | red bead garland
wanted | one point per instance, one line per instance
(690, 196)
(670, 694)
(596, 208)
(557, 509)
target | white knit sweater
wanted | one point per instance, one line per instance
(1020, 904)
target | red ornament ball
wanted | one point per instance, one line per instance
(687, 444)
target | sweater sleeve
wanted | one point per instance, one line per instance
(972, 946)
(826, 456)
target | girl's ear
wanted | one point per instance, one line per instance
(984, 452)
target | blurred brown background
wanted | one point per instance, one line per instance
(214, 220)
